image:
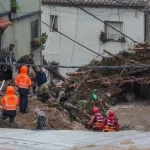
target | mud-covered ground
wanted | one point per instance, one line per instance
(56, 119)
(134, 115)
(129, 146)
(131, 116)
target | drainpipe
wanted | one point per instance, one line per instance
(41, 48)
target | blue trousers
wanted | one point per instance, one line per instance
(23, 99)
(9, 113)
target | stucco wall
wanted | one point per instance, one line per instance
(20, 34)
(87, 31)
(5, 5)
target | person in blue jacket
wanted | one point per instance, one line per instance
(40, 78)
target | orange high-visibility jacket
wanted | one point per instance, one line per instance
(23, 80)
(10, 101)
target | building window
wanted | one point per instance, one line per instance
(112, 35)
(35, 40)
(34, 30)
(54, 22)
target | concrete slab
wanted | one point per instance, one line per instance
(18, 139)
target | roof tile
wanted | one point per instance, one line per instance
(134, 3)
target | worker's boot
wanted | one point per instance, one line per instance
(12, 125)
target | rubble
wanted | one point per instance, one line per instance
(114, 84)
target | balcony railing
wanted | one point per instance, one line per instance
(112, 37)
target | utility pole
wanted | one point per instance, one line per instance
(147, 21)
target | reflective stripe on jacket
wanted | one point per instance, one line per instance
(23, 81)
(110, 125)
(97, 121)
(10, 102)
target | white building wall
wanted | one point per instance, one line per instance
(22, 29)
(5, 5)
(87, 30)
(27, 6)
(20, 32)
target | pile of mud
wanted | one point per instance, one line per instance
(55, 119)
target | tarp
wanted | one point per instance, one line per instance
(19, 139)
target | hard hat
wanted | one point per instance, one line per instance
(94, 96)
(95, 110)
(111, 113)
(24, 69)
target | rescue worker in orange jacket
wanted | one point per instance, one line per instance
(10, 102)
(110, 123)
(96, 119)
(23, 82)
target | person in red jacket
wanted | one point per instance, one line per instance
(110, 123)
(96, 120)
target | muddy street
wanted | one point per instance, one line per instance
(133, 115)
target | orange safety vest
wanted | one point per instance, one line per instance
(22, 81)
(10, 102)
(97, 121)
(109, 125)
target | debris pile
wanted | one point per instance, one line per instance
(117, 83)
(56, 117)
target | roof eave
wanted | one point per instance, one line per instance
(93, 5)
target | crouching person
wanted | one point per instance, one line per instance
(96, 120)
(10, 102)
(110, 123)
(44, 93)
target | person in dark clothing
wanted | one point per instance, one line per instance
(7, 69)
(27, 59)
(40, 78)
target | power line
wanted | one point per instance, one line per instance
(2, 6)
(102, 21)
(73, 40)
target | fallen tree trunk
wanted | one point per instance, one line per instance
(139, 49)
(136, 49)
(50, 69)
(84, 79)
(137, 71)
(113, 55)
(121, 57)
(76, 73)
(132, 80)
